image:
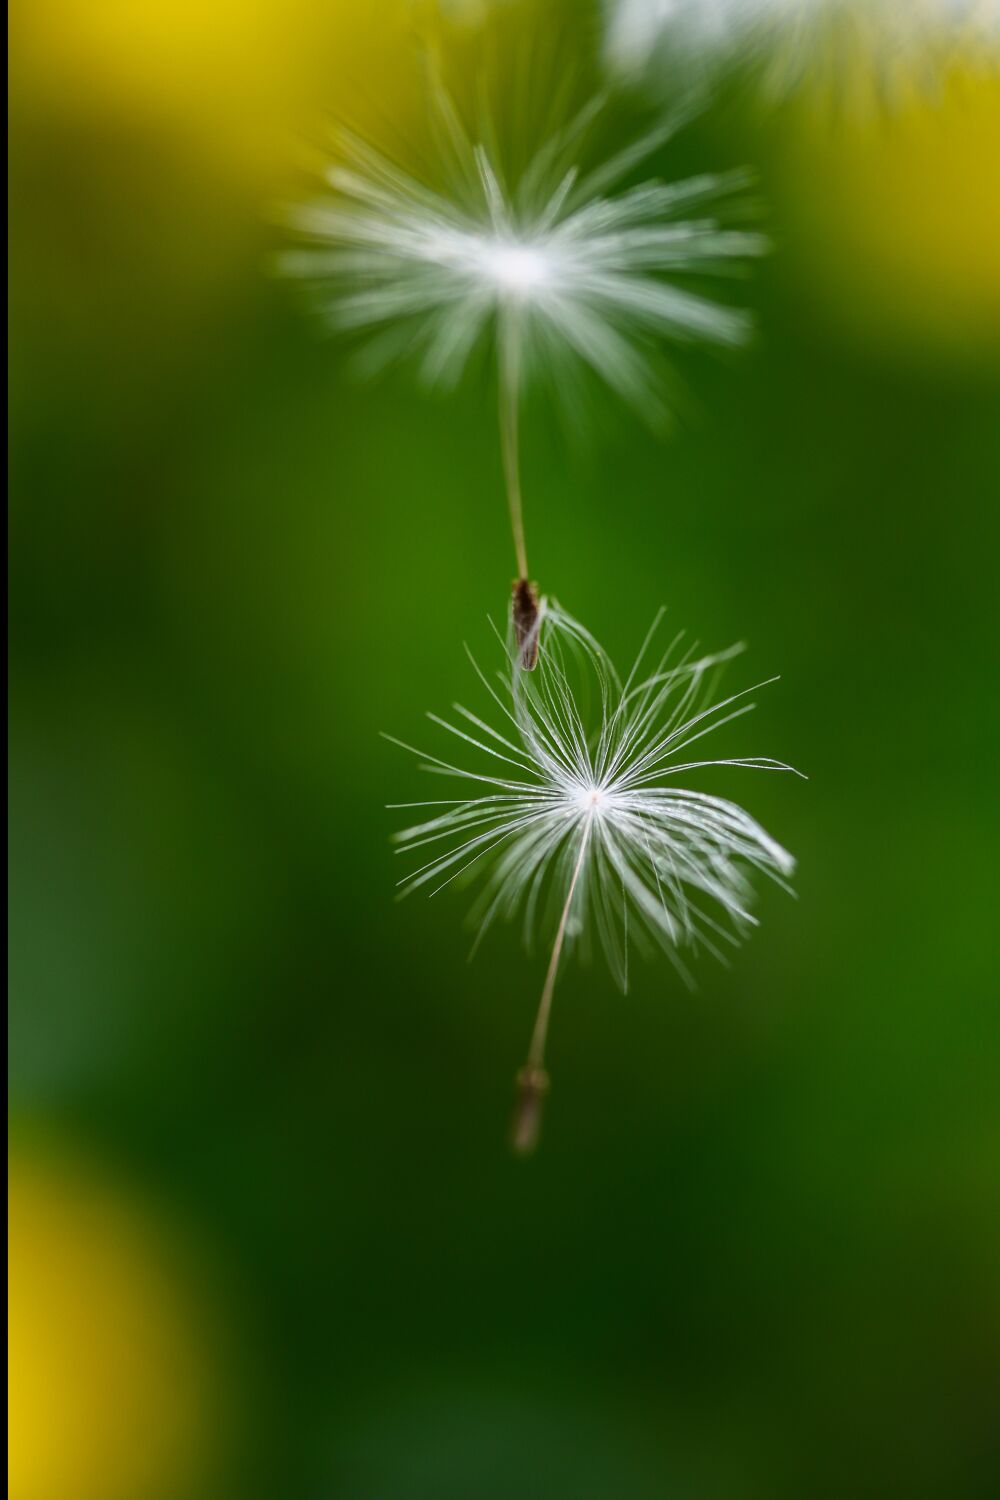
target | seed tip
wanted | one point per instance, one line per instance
(526, 612)
(531, 1086)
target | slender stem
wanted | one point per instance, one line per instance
(536, 1052)
(510, 446)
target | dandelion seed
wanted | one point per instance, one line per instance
(584, 828)
(562, 263)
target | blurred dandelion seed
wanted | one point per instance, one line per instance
(584, 828)
(855, 51)
(553, 265)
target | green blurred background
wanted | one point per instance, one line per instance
(266, 1236)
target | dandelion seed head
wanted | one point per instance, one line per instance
(594, 814)
(558, 263)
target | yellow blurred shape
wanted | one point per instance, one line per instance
(230, 78)
(108, 1380)
(899, 214)
(156, 51)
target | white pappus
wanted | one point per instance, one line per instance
(557, 262)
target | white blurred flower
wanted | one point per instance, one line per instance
(855, 47)
(552, 264)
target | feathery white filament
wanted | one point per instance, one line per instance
(587, 823)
